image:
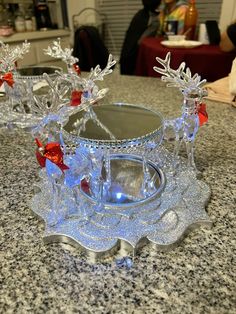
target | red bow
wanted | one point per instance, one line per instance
(52, 151)
(85, 186)
(202, 114)
(76, 98)
(8, 78)
(76, 68)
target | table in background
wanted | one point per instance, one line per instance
(206, 60)
(196, 277)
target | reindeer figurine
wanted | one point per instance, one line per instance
(84, 91)
(8, 58)
(68, 94)
(185, 127)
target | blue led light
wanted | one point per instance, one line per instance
(118, 195)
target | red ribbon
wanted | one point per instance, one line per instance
(52, 151)
(85, 186)
(8, 78)
(202, 114)
(76, 98)
(76, 68)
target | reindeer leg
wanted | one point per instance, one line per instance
(107, 164)
(177, 145)
(54, 218)
(190, 154)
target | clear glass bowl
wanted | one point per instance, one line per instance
(118, 138)
(127, 178)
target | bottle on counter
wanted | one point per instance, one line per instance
(34, 23)
(20, 20)
(42, 14)
(30, 23)
(190, 21)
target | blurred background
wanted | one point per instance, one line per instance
(43, 19)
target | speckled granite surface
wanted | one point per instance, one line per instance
(199, 276)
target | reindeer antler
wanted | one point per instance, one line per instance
(9, 55)
(97, 74)
(88, 88)
(180, 78)
(57, 52)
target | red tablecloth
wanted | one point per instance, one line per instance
(206, 60)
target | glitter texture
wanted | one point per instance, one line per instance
(163, 220)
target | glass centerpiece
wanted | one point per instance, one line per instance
(114, 142)
(31, 86)
(28, 86)
(34, 93)
(8, 59)
(104, 187)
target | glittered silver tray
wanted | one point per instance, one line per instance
(162, 220)
(125, 218)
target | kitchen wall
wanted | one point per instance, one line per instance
(87, 17)
(228, 13)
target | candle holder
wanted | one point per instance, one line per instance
(103, 187)
(111, 197)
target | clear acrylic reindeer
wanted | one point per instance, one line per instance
(8, 58)
(68, 94)
(85, 90)
(185, 127)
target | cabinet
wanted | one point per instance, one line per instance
(39, 40)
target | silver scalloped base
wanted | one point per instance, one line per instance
(163, 220)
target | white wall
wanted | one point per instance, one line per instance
(228, 13)
(75, 7)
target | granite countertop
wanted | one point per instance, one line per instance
(198, 276)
